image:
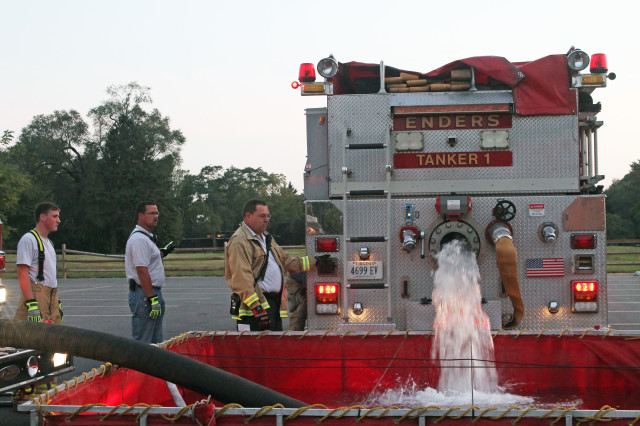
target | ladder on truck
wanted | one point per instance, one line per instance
(348, 194)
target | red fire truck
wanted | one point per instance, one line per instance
(482, 149)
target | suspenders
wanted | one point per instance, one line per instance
(40, 276)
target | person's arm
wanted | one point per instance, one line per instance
(25, 281)
(293, 264)
(145, 280)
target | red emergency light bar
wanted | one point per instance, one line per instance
(326, 244)
(583, 241)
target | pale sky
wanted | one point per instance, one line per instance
(222, 71)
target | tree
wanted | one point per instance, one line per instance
(13, 183)
(49, 151)
(97, 179)
(623, 205)
(213, 201)
(138, 154)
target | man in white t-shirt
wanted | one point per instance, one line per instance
(145, 274)
(36, 264)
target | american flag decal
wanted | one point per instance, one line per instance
(545, 267)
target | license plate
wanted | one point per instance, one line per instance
(364, 270)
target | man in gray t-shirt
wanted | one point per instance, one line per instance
(36, 264)
(145, 274)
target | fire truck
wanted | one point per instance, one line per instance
(481, 150)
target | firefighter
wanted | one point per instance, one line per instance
(145, 273)
(36, 264)
(255, 266)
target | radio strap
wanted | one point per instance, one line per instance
(40, 276)
(152, 237)
(263, 269)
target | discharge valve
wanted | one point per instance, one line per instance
(548, 232)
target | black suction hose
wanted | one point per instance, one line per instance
(179, 369)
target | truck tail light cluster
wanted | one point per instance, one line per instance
(2, 261)
(327, 296)
(584, 296)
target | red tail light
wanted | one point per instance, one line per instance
(307, 73)
(2, 260)
(327, 293)
(599, 63)
(585, 290)
(585, 296)
(326, 244)
(583, 241)
(327, 298)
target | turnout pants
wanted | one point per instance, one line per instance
(47, 299)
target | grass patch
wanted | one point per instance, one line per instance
(623, 254)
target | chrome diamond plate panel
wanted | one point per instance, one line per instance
(545, 149)
(368, 218)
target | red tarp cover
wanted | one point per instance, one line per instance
(345, 370)
(539, 87)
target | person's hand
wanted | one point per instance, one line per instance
(61, 313)
(167, 249)
(33, 312)
(263, 318)
(324, 261)
(156, 309)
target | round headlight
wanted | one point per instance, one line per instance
(32, 366)
(328, 67)
(577, 60)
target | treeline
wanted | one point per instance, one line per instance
(623, 206)
(97, 174)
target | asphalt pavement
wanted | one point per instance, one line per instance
(200, 304)
(101, 304)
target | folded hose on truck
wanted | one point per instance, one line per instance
(507, 259)
(179, 369)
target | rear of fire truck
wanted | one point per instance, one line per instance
(499, 155)
(22, 369)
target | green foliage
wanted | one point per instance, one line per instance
(13, 183)
(623, 205)
(132, 154)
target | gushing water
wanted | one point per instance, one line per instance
(463, 340)
(462, 343)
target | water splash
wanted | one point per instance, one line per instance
(463, 340)
(411, 394)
